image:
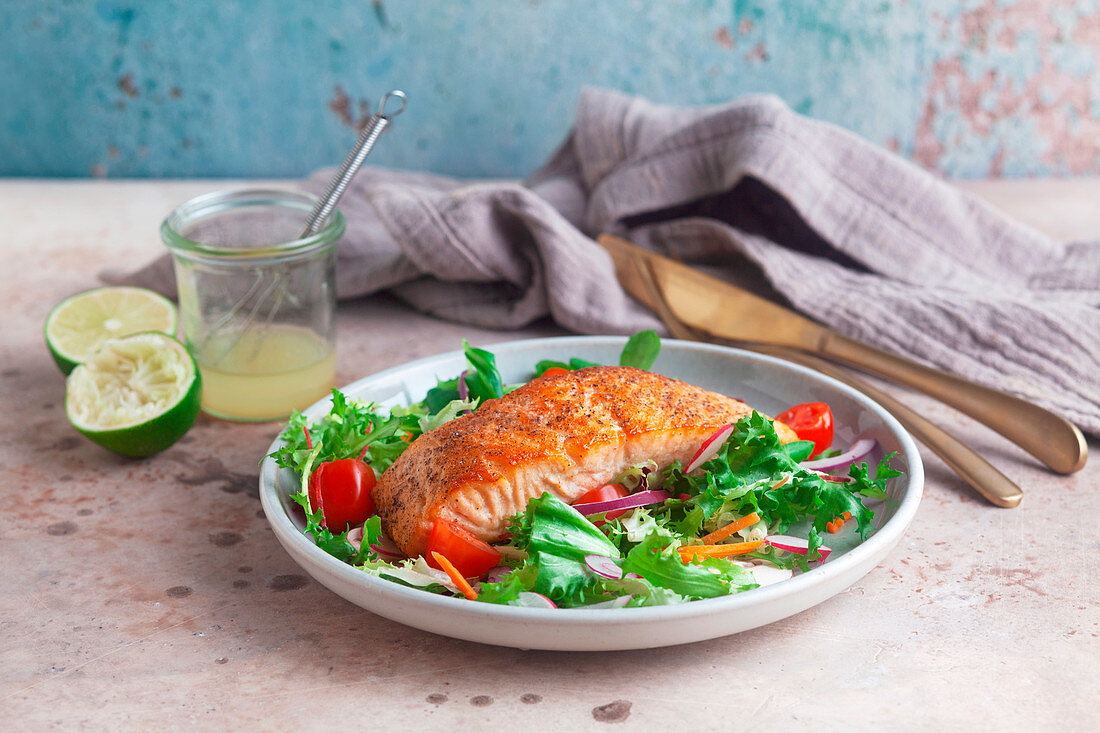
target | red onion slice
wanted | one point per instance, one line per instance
(858, 450)
(604, 566)
(642, 498)
(530, 599)
(463, 390)
(709, 449)
(497, 574)
(796, 545)
(355, 537)
(632, 576)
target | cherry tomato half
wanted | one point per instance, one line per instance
(341, 490)
(470, 556)
(554, 371)
(811, 421)
(607, 492)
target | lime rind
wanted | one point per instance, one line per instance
(136, 395)
(79, 324)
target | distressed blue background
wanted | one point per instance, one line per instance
(274, 87)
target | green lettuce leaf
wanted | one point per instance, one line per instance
(442, 394)
(372, 535)
(507, 590)
(452, 410)
(874, 488)
(483, 379)
(641, 350)
(656, 560)
(563, 580)
(550, 526)
(350, 427)
(336, 545)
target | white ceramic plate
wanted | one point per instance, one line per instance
(766, 383)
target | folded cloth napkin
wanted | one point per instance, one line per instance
(848, 233)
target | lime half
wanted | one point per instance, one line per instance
(77, 325)
(136, 395)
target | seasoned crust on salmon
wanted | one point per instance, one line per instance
(566, 434)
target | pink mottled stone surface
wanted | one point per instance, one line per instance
(151, 593)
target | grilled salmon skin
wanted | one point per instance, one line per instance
(566, 434)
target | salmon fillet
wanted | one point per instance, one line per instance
(565, 434)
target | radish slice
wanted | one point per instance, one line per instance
(384, 548)
(858, 450)
(603, 566)
(497, 574)
(642, 498)
(355, 537)
(709, 449)
(613, 603)
(769, 574)
(793, 544)
(530, 599)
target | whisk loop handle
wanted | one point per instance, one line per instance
(375, 126)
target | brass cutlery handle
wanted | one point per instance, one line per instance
(968, 464)
(1049, 437)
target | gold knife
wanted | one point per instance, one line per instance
(718, 309)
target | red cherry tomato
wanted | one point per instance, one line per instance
(470, 556)
(554, 371)
(341, 491)
(811, 421)
(607, 492)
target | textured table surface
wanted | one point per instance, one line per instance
(151, 592)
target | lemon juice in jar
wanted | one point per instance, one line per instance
(257, 300)
(265, 374)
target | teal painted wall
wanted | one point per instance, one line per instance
(274, 87)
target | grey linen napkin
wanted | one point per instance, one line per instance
(848, 233)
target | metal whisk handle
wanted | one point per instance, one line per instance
(339, 183)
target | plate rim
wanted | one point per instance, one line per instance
(880, 542)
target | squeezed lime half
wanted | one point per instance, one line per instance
(136, 395)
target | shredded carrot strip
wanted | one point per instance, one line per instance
(736, 548)
(785, 480)
(309, 441)
(456, 577)
(834, 526)
(720, 534)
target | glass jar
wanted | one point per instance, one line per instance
(257, 303)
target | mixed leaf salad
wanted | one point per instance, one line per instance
(710, 528)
